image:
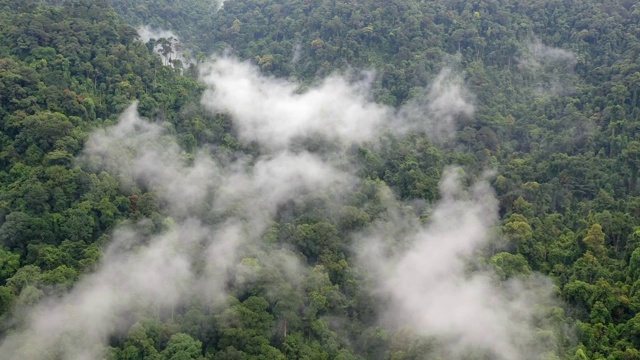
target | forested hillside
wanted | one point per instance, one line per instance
(320, 179)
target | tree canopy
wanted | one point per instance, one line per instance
(556, 92)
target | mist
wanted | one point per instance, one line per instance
(297, 53)
(433, 283)
(436, 112)
(542, 53)
(551, 68)
(274, 112)
(147, 33)
(217, 211)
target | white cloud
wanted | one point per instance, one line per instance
(220, 210)
(423, 272)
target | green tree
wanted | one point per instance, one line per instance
(9, 263)
(508, 265)
(595, 241)
(182, 347)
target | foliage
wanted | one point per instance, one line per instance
(561, 131)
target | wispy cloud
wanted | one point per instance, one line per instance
(551, 68)
(217, 212)
(423, 273)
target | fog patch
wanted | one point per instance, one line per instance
(436, 113)
(166, 44)
(431, 282)
(549, 68)
(217, 211)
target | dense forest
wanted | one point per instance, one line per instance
(320, 179)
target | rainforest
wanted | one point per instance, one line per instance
(319, 179)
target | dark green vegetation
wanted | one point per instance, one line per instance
(562, 131)
(186, 17)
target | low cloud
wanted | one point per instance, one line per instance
(217, 212)
(75, 326)
(542, 54)
(297, 53)
(436, 113)
(551, 68)
(147, 33)
(177, 52)
(423, 273)
(274, 113)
